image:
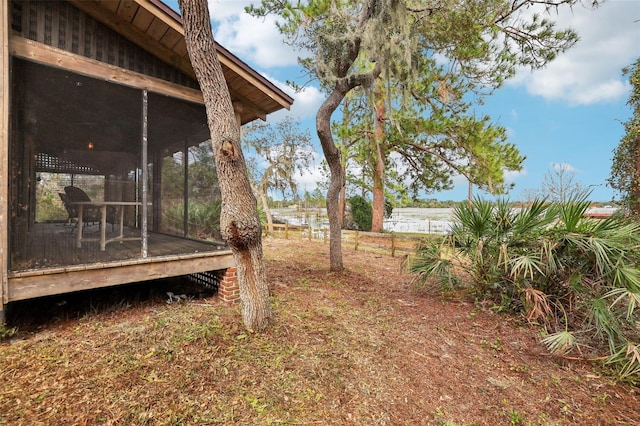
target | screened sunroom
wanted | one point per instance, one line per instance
(107, 171)
(102, 172)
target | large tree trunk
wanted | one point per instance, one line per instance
(377, 222)
(336, 181)
(333, 157)
(239, 220)
(379, 161)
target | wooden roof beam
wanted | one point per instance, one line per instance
(47, 55)
(245, 106)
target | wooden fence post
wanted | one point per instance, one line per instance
(286, 231)
(393, 245)
(356, 245)
(310, 231)
(324, 235)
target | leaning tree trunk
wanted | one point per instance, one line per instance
(332, 155)
(239, 220)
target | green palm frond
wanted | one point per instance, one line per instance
(533, 219)
(474, 218)
(620, 294)
(603, 253)
(548, 255)
(606, 254)
(571, 213)
(605, 322)
(618, 228)
(560, 343)
(503, 218)
(627, 277)
(433, 260)
(526, 266)
(628, 358)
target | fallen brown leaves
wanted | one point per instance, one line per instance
(356, 348)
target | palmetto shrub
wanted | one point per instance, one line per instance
(203, 219)
(575, 276)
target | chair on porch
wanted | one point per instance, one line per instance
(73, 194)
(71, 211)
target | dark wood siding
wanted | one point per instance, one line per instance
(61, 25)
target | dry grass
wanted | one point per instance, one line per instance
(355, 348)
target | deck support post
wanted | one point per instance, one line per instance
(228, 286)
(4, 156)
(145, 172)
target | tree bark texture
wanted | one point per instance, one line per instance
(239, 221)
(377, 222)
(333, 157)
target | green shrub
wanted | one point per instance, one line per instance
(388, 208)
(361, 213)
(7, 332)
(203, 220)
(575, 276)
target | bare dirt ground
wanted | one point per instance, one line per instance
(357, 348)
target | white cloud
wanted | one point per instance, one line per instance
(308, 101)
(256, 40)
(222, 9)
(305, 103)
(590, 72)
(512, 175)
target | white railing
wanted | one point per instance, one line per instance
(425, 226)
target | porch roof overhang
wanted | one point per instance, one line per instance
(158, 29)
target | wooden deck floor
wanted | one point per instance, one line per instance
(51, 245)
(48, 261)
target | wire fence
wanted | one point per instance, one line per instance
(386, 243)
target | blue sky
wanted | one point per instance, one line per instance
(569, 113)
